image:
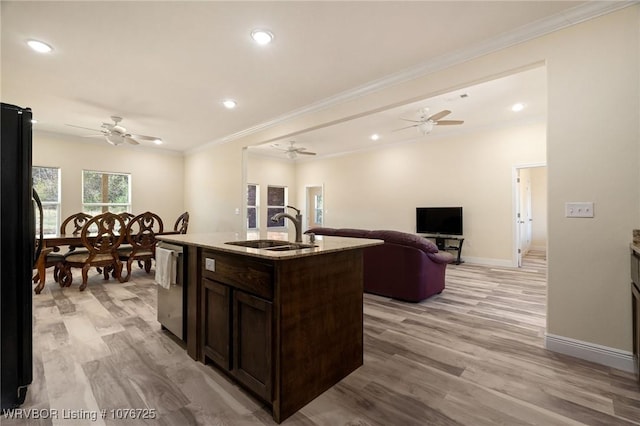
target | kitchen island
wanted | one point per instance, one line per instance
(284, 321)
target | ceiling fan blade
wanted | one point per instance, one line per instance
(130, 140)
(413, 121)
(143, 137)
(93, 136)
(448, 122)
(438, 115)
(85, 128)
(408, 127)
(306, 153)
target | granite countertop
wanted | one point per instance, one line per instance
(217, 240)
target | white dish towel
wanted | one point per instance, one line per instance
(166, 265)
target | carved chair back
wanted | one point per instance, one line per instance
(77, 220)
(142, 231)
(107, 238)
(126, 216)
(182, 223)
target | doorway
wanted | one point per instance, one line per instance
(530, 212)
(314, 204)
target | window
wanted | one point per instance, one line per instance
(46, 182)
(317, 208)
(276, 202)
(253, 195)
(104, 191)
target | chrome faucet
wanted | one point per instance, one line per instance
(297, 221)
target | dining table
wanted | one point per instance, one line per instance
(52, 243)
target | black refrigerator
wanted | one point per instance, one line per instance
(17, 254)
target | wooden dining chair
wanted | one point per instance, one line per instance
(182, 223)
(53, 256)
(102, 249)
(141, 236)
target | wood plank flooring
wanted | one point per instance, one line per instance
(473, 355)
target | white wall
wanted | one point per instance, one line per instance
(381, 189)
(157, 177)
(593, 142)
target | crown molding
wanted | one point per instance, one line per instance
(581, 13)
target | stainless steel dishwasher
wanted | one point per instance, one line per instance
(171, 309)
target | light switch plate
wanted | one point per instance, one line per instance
(579, 209)
(210, 264)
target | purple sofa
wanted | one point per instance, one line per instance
(405, 267)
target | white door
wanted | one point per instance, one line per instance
(524, 213)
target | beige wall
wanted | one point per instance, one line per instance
(157, 182)
(381, 189)
(214, 188)
(592, 155)
(538, 208)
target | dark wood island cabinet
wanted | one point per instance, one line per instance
(635, 307)
(285, 325)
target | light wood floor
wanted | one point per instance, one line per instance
(471, 356)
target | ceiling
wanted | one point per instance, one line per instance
(483, 105)
(165, 67)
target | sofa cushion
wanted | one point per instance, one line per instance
(404, 238)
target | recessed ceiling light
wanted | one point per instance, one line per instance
(375, 137)
(229, 103)
(158, 141)
(39, 46)
(517, 107)
(262, 37)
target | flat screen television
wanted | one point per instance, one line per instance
(439, 220)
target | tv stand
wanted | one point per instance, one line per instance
(441, 243)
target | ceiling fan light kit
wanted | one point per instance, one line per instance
(426, 123)
(293, 151)
(115, 134)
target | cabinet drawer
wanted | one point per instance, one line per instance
(239, 272)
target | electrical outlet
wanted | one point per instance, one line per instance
(579, 209)
(210, 264)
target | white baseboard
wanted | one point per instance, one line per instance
(604, 355)
(488, 261)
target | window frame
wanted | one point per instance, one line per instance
(255, 207)
(57, 204)
(105, 207)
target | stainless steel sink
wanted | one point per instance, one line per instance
(272, 245)
(292, 246)
(259, 244)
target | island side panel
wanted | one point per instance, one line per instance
(319, 326)
(194, 322)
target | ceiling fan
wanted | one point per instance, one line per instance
(292, 151)
(115, 134)
(426, 122)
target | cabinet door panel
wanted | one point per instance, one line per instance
(216, 330)
(252, 351)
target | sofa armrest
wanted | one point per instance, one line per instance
(442, 257)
